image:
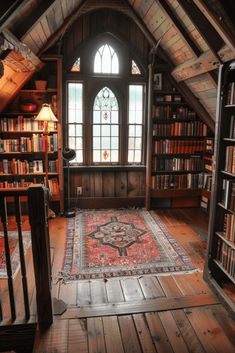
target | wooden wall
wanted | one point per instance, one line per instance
(114, 186)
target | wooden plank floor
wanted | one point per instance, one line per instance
(168, 313)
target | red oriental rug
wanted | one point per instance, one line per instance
(108, 243)
(14, 251)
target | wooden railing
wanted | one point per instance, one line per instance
(36, 200)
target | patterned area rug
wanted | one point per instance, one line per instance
(108, 243)
(14, 251)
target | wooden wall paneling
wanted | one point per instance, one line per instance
(153, 17)
(64, 7)
(98, 184)
(108, 184)
(142, 179)
(133, 188)
(51, 20)
(92, 184)
(85, 184)
(40, 31)
(121, 184)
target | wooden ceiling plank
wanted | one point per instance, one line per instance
(31, 21)
(163, 4)
(217, 22)
(207, 31)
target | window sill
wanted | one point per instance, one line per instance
(84, 168)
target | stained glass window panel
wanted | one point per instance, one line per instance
(76, 66)
(135, 123)
(106, 132)
(134, 68)
(106, 60)
(75, 119)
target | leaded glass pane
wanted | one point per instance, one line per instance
(106, 60)
(75, 119)
(76, 66)
(114, 156)
(134, 68)
(135, 119)
(105, 133)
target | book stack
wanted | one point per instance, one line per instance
(178, 146)
(228, 194)
(167, 112)
(193, 163)
(209, 145)
(193, 128)
(232, 127)
(226, 256)
(230, 159)
(204, 203)
(179, 182)
(36, 143)
(24, 124)
(231, 93)
(229, 227)
(207, 181)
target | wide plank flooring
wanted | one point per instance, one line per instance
(142, 314)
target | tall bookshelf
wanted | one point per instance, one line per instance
(22, 139)
(220, 267)
(178, 149)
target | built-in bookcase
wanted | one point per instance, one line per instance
(22, 139)
(220, 268)
(179, 143)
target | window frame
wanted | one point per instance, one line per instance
(119, 84)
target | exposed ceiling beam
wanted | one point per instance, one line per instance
(9, 41)
(181, 86)
(63, 28)
(171, 15)
(205, 63)
(207, 31)
(34, 17)
(10, 11)
(217, 22)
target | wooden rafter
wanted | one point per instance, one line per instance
(11, 12)
(217, 22)
(207, 31)
(34, 17)
(171, 15)
(10, 42)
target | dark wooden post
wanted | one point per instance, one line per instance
(38, 205)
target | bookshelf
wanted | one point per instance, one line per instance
(22, 139)
(220, 267)
(178, 150)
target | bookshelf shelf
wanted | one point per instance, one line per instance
(222, 236)
(232, 279)
(221, 247)
(20, 132)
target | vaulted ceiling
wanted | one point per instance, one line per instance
(195, 37)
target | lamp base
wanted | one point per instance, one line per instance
(69, 214)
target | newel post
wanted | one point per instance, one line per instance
(38, 205)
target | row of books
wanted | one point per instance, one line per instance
(231, 93)
(207, 181)
(230, 159)
(193, 128)
(186, 181)
(209, 145)
(169, 112)
(16, 166)
(168, 98)
(24, 124)
(228, 194)
(204, 203)
(229, 227)
(36, 143)
(178, 146)
(226, 257)
(232, 127)
(53, 184)
(177, 164)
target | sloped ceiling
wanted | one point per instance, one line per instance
(195, 36)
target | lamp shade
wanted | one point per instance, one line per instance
(46, 114)
(68, 154)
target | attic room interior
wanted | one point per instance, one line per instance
(117, 176)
